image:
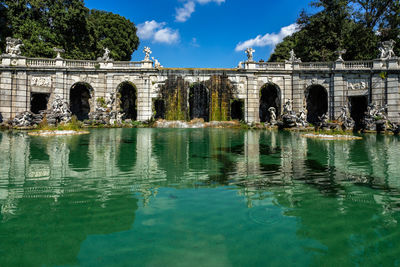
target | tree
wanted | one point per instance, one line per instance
(115, 33)
(357, 26)
(67, 24)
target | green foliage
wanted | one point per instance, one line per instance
(72, 125)
(342, 24)
(101, 102)
(67, 24)
(114, 32)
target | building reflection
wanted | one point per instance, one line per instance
(77, 186)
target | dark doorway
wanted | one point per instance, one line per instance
(39, 102)
(159, 108)
(128, 96)
(269, 97)
(317, 103)
(358, 107)
(199, 102)
(79, 100)
(237, 109)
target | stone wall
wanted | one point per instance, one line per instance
(378, 80)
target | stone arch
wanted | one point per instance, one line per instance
(317, 102)
(127, 100)
(270, 96)
(81, 100)
(199, 102)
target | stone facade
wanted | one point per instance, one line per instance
(378, 81)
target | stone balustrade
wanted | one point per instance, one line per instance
(91, 64)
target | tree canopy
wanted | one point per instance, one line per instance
(67, 24)
(355, 25)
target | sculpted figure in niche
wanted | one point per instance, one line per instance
(272, 115)
(287, 109)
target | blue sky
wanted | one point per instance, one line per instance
(206, 33)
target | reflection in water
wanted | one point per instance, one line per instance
(148, 196)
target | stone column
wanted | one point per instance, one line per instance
(5, 95)
(297, 93)
(286, 91)
(20, 94)
(59, 86)
(252, 101)
(377, 90)
(393, 97)
(339, 94)
(144, 105)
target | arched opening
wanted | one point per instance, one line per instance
(39, 102)
(237, 109)
(80, 95)
(317, 103)
(269, 97)
(159, 108)
(358, 107)
(199, 102)
(127, 100)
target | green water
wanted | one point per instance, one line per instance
(216, 197)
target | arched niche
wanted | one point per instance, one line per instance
(80, 100)
(127, 99)
(317, 102)
(199, 102)
(270, 96)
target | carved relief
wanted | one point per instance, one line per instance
(357, 84)
(41, 81)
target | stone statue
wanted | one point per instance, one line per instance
(289, 117)
(323, 121)
(156, 63)
(386, 50)
(293, 57)
(240, 65)
(272, 115)
(340, 54)
(58, 51)
(375, 118)
(147, 52)
(302, 119)
(346, 119)
(287, 108)
(110, 100)
(249, 51)
(13, 47)
(106, 55)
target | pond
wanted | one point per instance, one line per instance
(198, 197)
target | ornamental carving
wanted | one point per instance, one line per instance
(357, 85)
(41, 81)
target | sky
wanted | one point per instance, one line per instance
(207, 33)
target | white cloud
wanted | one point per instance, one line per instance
(269, 39)
(185, 12)
(157, 32)
(167, 36)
